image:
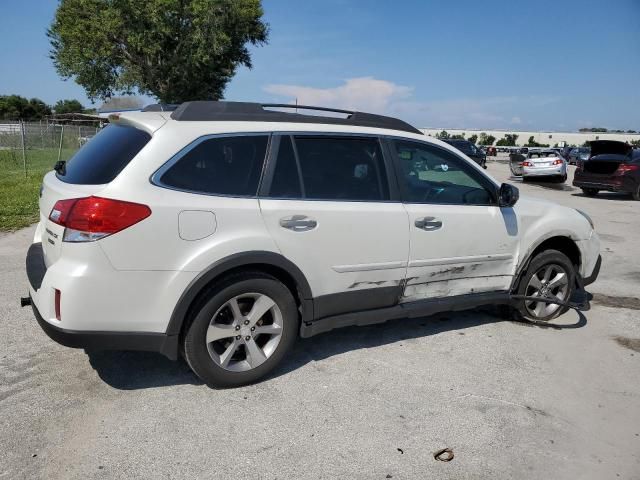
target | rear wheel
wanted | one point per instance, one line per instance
(552, 275)
(241, 330)
(590, 192)
(636, 194)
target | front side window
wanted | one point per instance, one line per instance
(433, 175)
(220, 166)
(330, 168)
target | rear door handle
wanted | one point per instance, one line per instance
(298, 223)
(428, 223)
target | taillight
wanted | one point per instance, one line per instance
(527, 164)
(93, 218)
(624, 168)
(557, 162)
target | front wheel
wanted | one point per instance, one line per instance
(550, 274)
(241, 329)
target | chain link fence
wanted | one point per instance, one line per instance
(36, 146)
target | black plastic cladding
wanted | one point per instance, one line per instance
(255, 112)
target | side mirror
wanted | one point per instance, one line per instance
(508, 195)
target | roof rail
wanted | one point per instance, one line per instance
(256, 112)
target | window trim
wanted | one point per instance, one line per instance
(389, 168)
(155, 177)
(475, 174)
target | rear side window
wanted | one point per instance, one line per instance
(340, 168)
(101, 159)
(220, 166)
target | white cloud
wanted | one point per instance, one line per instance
(384, 97)
(364, 93)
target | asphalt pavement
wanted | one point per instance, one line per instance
(511, 399)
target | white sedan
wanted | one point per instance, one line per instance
(547, 163)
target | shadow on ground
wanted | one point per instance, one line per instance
(139, 370)
(607, 196)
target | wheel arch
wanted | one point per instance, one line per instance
(562, 243)
(269, 262)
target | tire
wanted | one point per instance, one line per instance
(253, 354)
(636, 194)
(555, 263)
(590, 192)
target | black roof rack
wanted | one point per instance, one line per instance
(255, 112)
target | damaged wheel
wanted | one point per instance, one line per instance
(549, 275)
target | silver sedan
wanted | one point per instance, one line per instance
(551, 165)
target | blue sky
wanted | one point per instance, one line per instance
(561, 64)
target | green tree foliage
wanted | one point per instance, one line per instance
(486, 139)
(15, 107)
(443, 135)
(635, 143)
(68, 106)
(473, 138)
(509, 140)
(459, 136)
(175, 50)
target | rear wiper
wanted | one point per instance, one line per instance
(61, 167)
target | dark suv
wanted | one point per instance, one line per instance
(612, 166)
(470, 150)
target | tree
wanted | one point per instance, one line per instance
(509, 140)
(68, 106)
(473, 138)
(486, 139)
(635, 143)
(15, 107)
(459, 136)
(443, 135)
(175, 50)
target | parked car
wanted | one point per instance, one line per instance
(613, 166)
(491, 151)
(222, 231)
(579, 153)
(470, 150)
(549, 164)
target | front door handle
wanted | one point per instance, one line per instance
(428, 223)
(298, 223)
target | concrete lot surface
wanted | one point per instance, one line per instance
(513, 401)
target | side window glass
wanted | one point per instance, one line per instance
(221, 165)
(433, 175)
(286, 179)
(342, 168)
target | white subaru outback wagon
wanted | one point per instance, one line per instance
(222, 231)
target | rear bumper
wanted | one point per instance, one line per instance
(40, 295)
(543, 171)
(608, 183)
(149, 342)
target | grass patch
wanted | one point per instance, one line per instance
(19, 194)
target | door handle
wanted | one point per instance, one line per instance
(298, 223)
(428, 223)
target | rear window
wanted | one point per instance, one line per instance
(220, 166)
(102, 158)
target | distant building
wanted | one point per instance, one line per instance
(552, 138)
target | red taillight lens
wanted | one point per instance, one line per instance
(624, 168)
(92, 218)
(527, 164)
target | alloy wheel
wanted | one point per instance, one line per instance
(244, 332)
(552, 282)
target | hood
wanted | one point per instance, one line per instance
(600, 147)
